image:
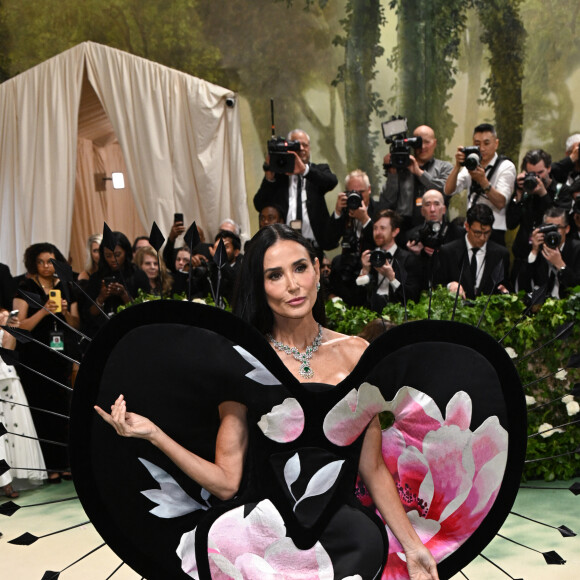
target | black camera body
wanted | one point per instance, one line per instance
(472, 157)
(281, 158)
(530, 182)
(353, 200)
(552, 236)
(401, 149)
(432, 234)
(395, 134)
(379, 258)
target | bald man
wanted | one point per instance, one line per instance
(404, 189)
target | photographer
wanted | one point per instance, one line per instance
(489, 182)
(389, 273)
(300, 193)
(469, 264)
(534, 194)
(351, 222)
(567, 170)
(554, 260)
(425, 239)
(404, 188)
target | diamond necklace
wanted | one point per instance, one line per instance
(305, 369)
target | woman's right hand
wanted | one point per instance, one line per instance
(127, 424)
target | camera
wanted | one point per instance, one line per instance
(395, 135)
(379, 258)
(353, 200)
(530, 182)
(552, 237)
(472, 157)
(281, 160)
(432, 235)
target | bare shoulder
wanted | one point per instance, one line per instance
(347, 346)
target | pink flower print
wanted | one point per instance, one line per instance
(284, 423)
(255, 547)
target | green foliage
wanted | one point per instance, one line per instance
(170, 33)
(505, 36)
(429, 33)
(347, 320)
(361, 42)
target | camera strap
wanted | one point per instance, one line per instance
(476, 190)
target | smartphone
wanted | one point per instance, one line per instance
(177, 217)
(109, 280)
(55, 296)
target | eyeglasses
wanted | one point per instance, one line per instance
(480, 233)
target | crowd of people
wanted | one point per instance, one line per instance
(391, 247)
(399, 243)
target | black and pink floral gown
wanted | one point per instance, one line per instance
(301, 511)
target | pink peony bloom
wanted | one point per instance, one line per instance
(255, 547)
(448, 477)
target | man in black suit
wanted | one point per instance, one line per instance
(7, 287)
(554, 260)
(301, 193)
(472, 263)
(389, 273)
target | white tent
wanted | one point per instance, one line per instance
(93, 110)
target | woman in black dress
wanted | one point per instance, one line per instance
(309, 523)
(40, 391)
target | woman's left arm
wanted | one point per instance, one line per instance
(379, 482)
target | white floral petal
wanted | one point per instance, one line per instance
(284, 423)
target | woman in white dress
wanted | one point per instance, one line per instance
(23, 454)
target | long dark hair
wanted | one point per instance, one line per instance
(250, 301)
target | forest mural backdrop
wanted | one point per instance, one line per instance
(338, 68)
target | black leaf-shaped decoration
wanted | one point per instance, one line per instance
(50, 575)
(566, 531)
(574, 363)
(3, 429)
(63, 270)
(9, 508)
(19, 334)
(65, 274)
(10, 357)
(221, 256)
(156, 238)
(191, 237)
(4, 467)
(575, 488)
(108, 238)
(25, 539)
(553, 557)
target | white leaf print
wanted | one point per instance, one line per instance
(291, 472)
(322, 480)
(260, 374)
(171, 498)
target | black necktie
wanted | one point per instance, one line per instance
(299, 197)
(473, 266)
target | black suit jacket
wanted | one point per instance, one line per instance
(319, 181)
(403, 261)
(454, 254)
(568, 278)
(7, 287)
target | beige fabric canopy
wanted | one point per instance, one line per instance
(93, 110)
